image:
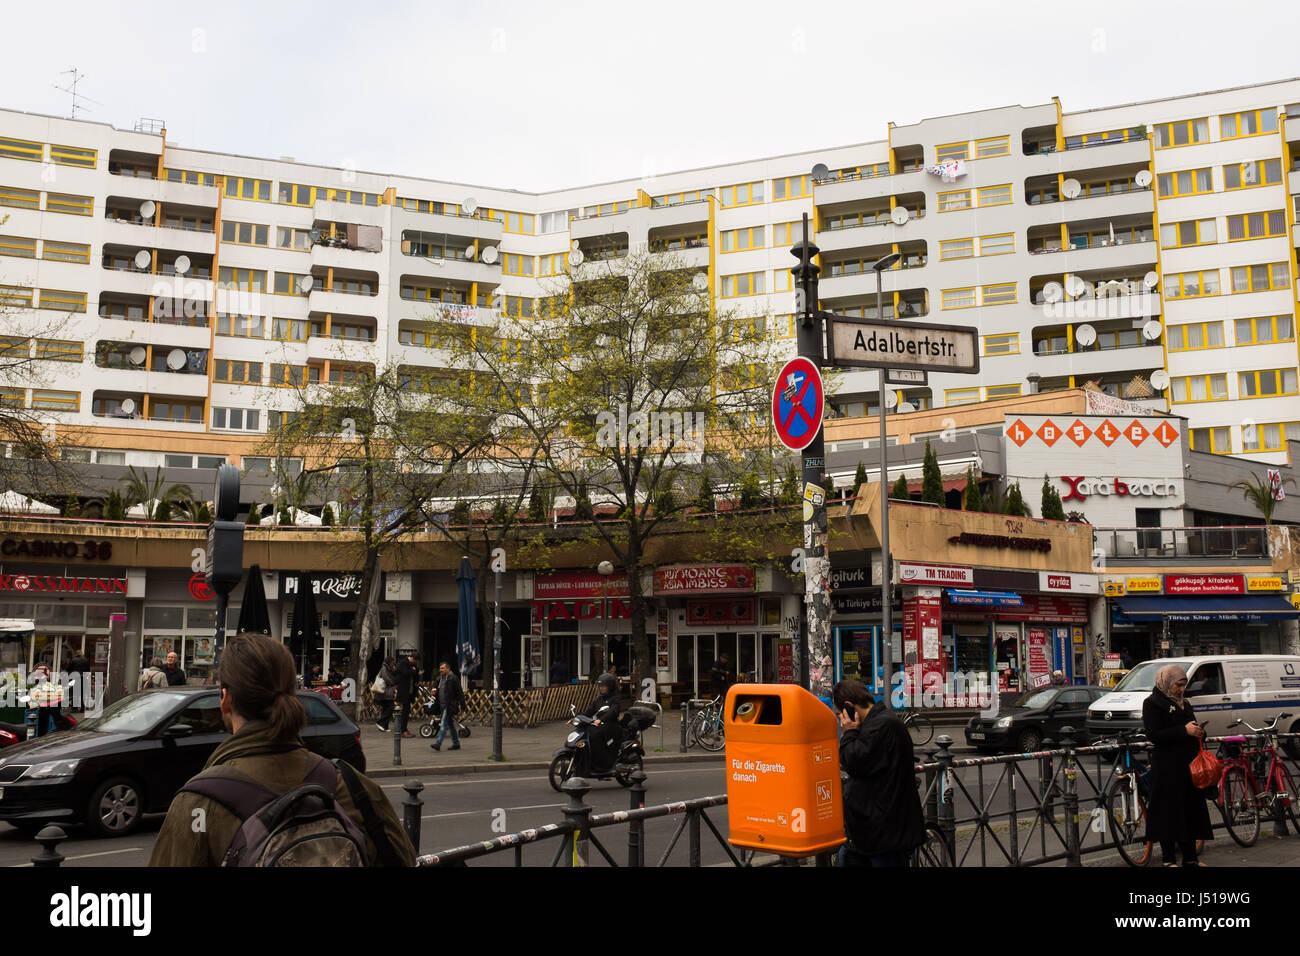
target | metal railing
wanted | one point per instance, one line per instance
(1231, 541)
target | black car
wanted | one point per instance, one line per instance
(1036, 715)
(134, 757)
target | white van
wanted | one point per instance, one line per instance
(1221, 689)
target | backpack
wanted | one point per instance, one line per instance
(305, 826)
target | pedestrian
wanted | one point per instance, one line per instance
(1058, 679)
(407, 673)
(1176, 812)
(152, 676)
(882, 812)
(559, 671)
(175, 676)
(384, 691)
(449, 698)
(721, 676)
(260, 708)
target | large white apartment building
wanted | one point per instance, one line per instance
(1105, 246)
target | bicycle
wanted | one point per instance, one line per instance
(919, 727)
(706, 727)
(1241, 799)
(1126, 804)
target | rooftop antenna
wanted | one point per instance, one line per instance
(77, 77)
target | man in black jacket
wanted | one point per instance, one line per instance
(882, 811)
(407, 672)
(449, 699)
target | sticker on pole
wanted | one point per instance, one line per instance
(797, 403)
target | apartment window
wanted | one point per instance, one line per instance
(1190, 285)
(193, 178)
(172, 411)
(295, 194)
(13, 397)
(783, 326)
(237, 419)
(519, 307)
(1266, 383)
(244, 233)
(744, 283)
(15, 346)
(1250, 123)
(120, 310)
(782, 280)
(998, 245)
(64, 251)
(557, 221)
(553, 264)
(1261, 278)
(604, 209)
(739, 240)
(287, 238)
(1199, 388)
(59, 350)
(21, 198)
(17, 297)
(1097, 139)
(1217, 441)
(56, 401)
(790, 187)
(1007, 343)
(517, 265)
(289, 283)
(956, 199)
(1182, 133)
(247, 280)
(993, 146)
(289, 330)
(1001, 391)
(86, 158)
(16, 246)
(1195, 336)
(353, 196)
(1257, 225)
(951, 152)
(786, 234)
(288, 375)
(1187, 182)
(520, 223)
(240, 326)
(237, 372)
(1192, 232)
(993, 195)
(62, 301)
(956, 249)
(1270, 437)
(958, 298)
(239, 187)
(961, 396)
(1267, 172)
(22, 149)
(1002, 293)
(69, 204)
(1265, 330)
(744, 194)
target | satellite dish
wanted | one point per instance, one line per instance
(142, 259)
(900, 215)
(1085, 335)
(489, 255)
(891, 398)
(137, 355)
(469, 206)
(182, 265)
(906, 408)
(1151, 279)
(128, 406)
(469, 253)
(575, 245)
(1070, 188)
(148, 208)
(1160, 379)
(315, 236)
(1151, 331)
(305, 284)
(1075, 286)
(1053, 292)
(1143, 178)
(176, 359)
(820, 173)
(701, 282)
(576, 257)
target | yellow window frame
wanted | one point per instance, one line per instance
(17, 246)
(517, 264)
(1178, 233)
(56, 400)
(963, 298)
(20, 198)
(520, 223)
(1169, 131)
(1208, 432)
(1167, 186)
(1002, 343)
(248, 188)
(787, 185)
(994, 195)
(56, 251)
(62, 301)
(1003, 244)
(74, 156)
(1273, 224)
(293, 284)
(59, 350)
(948, 152)
(742, 194)
(747, 236)
(69, 204)
(1273, 284)
(249, 280)
(1254, 321)
(1263, 439)
(954, 200)
(953, 249)
(1179, 332)
(1255, 169)
(1208, 380)
(1181, 278)
(192, 177)
(1237, 123)
(784, 234)
(993, 392)
(961, 396)
(783, 325)
(1277, 374)
(252, 227)
(22, 149)
(999, 293)
(754, 279)
(993, 146)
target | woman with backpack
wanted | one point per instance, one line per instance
(335, 816)
(384, 692)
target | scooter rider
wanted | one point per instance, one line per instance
(605, 730)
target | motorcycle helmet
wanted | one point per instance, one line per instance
(607, 680)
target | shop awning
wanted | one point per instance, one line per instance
(1259, 607)
(985, 598)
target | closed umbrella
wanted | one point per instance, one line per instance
(254, 618)
(467, 649)
(305, 634)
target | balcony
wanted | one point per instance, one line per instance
(182, 384)
(340, 257)
(1206, 545)
(322, 301)
(158, 286)
(487, 231)
(1088, 365)
(871, 187)
(329, 211)
(336, 349)
(162, 191)
(155, 333)
(1082, 156)
(857, 279)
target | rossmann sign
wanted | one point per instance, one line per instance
(49, 583)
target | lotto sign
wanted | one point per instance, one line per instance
(798, 402)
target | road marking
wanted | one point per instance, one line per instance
(470, 813)
(88, 856)
(474, 778)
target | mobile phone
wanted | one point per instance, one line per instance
(850, 710)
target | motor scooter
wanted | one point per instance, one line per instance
(426, 707)
(576, 757)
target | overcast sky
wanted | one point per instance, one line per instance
(545, 95)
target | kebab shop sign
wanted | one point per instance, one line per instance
(704, 579)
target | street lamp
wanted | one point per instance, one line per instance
(886, 596)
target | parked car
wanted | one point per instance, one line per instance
(1036, 715)
(132, 759)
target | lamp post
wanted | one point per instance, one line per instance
(886, 590)
(498, 566)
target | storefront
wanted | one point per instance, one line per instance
(583, 621)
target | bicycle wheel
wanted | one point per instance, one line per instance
(695, 728)
(933, 852)
(710, 734)
(1288, 784)
(1240, 812)
(1128, 830)
(920, 727)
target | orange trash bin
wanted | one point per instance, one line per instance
(783, 770)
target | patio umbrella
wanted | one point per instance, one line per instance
(300, 518)
(466, 619)
(145, 509)
(11, 502)
(253, 615)
(306, 623)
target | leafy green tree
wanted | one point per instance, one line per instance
(751, 492)
(1015, 503)
(461, 515)
(1259, 493)
(899, 491)
(859, 478)
(790, 486)
(140, 489)
(114, 509)
(932, 479)
(703, 496)
(1053, 507)
(973, 499)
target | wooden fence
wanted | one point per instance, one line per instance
(519, 708)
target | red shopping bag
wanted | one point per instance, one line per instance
(1206, 769)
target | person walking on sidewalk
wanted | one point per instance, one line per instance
(384, 690)
(407, 672)
(449, 698)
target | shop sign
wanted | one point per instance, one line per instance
(57, 583)
(1142, 585)
(934, 574)
(845, 604)
(338, 587)
(1205, 584)
(199, 589)
(701, 613)
(1047, 608)
(577, 584)
(585, 610)
(848, 578)
(1113, 588)
(1015, 543)
(1264, 584)
(1056, 582)
(704, 578)
(784, 661)
(1295, 601)
(1040, 664)
(1082, 486)
(64, 550)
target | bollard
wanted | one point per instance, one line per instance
(931, 790)
(577, 814)
(636, 828)
(1070, 800)
(686, 719)
(411, 808)
(947, 807)
(398, 726)
(49, 838)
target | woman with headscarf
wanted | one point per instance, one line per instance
(1176, 812)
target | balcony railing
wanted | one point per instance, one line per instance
(882, 219)
(1232, 541)
(1036, 200)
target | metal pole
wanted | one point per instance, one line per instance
(886, 566)
(411, 808)
(496, 672)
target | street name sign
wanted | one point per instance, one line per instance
(901, 345)
(905, 376)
